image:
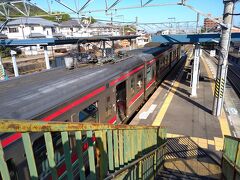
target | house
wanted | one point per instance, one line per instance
(98, 29)
(29, 27)
(210, 25)
(72, 28)
(143, 38)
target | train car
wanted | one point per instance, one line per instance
(101, 94)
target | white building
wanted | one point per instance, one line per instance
(28, 27)
(73, 28)
(143, 38)
(98, 29)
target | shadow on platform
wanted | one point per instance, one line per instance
(184, 94)
(184, 159)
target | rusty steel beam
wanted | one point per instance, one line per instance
(7, 125)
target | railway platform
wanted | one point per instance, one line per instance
(172, 106)
(190, 125)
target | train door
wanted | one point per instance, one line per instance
(121, 100)
(158, 69)
(170, 59)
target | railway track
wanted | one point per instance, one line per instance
(233, 77)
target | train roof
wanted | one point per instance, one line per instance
(28, 96)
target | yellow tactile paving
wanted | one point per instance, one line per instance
(169, 135)
(223, 118)
(201, 142)
(163, 110)
(211, 142)
(166, 103)
(195, 139)
(224, 124)
(218, 143)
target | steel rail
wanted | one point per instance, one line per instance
(233, 82)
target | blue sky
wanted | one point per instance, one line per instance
(151, 14)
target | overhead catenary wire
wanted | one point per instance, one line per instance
(234, 14)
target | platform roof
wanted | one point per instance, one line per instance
(56, 41)
(192, 38)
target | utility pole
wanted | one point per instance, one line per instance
(197, 25)
(223, 57)
(136, 24)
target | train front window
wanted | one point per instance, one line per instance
(89, 114)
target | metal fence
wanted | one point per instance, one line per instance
(231, 158)
(111, 151)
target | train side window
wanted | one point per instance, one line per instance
(12, 169)
(149, 74)
(132, 86)
(139, 81)
(162, 62)
(108, 107)
(40, 154)
(89, 114)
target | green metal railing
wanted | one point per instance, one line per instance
(231, 158)
(117, 151)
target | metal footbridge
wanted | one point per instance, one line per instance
(119, 152)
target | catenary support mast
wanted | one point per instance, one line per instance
(223, 57)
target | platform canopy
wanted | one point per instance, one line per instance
(61, 41)
(192, 38)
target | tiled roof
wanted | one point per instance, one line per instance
(32, 21)
(70, 23)
(100, 25)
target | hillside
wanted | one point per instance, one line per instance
(34, 11)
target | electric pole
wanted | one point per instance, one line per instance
(136, 24)
(223, 57)
(197, 23)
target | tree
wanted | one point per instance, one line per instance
(129, 29)
(58, 17)
(93, 20)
